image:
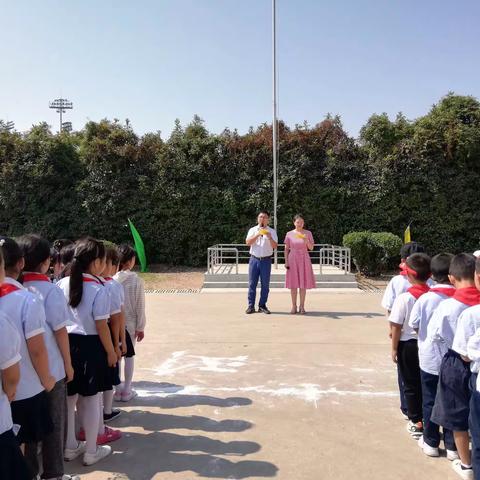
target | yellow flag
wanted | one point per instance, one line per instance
(407, 237)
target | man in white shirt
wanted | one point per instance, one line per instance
(262, 240)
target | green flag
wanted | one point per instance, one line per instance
(139, 247)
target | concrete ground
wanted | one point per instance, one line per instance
(229, 396)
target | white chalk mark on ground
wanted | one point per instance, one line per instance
(307, 392)
(183, 362)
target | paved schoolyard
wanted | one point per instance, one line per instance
(229, 396)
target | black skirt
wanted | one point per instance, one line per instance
(452, 403)
(130, 349)
(114, 372)
(33, 416)
(90, 364)
(12, 462)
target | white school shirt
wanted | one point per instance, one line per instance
(396, 286)
(429, 355)
(401, 313)
(9, 356)
(468, 323)
(262, 246)
(27, 315)
(134, 300)
(94, 306)
(115, 290)
(441, 328)
(57, 315)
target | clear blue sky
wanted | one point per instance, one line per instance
(156, 60)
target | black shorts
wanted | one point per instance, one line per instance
(452, 407)
(33, 416)
(12, 462)
(90, 364)
(130, 348)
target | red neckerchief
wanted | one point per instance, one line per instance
(448, 291)
(35, 277)
(6, 288)
(418, 290)
(469, 296)
(88, 279)
(108, 278)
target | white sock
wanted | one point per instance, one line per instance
(72, 442)
(108, 401)
(129, 366)
(101, 425)
(91, 411)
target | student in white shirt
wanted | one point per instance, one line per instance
(30, 407)
(262, 240)
(451, 407)
(12, 462)
(404, 338)
(473, 353)
(430, 357)
(91, 347)
(396, 286)
(135, 319)
(36, 252)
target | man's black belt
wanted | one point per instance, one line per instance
(260, 258)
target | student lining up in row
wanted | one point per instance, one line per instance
(433, 329)
(64, 342)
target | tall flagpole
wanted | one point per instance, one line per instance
(275, 123)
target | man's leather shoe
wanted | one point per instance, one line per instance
(250, 310)
(264, 310)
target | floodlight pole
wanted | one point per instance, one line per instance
(61, 105)
(275, 123)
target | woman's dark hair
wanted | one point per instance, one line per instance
(410, 248)
(440, 267)
(126, 253)
(35, 250)
(12, 253)
(87, 250)
(57, 246)
(298, 216)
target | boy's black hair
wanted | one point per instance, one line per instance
(477, 265)
(126, 253)
(463, 266)
(410, 248)
(440, 266)
(35, 250)
(265, 212)
(12, 253)
(87, 250)
(298, 216)
(420, 262)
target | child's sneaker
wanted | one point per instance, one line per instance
(465, 472)
(427, 449)
(64, 477)
(415, 429)
(452, 455)
(102, 452)
(127, 396)
(110, 435)
(108, 417)
(70, 454)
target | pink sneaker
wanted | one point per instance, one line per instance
(127, 396)
(110, 435)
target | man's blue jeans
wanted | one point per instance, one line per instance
(259, 269)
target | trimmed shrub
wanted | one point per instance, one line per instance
(373, 252)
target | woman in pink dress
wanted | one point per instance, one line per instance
(300, 275)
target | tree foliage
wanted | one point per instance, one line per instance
(196, 188)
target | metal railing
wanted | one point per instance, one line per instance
(226, 257)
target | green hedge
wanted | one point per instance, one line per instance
(373, 252)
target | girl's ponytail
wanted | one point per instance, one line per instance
(87, 250)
